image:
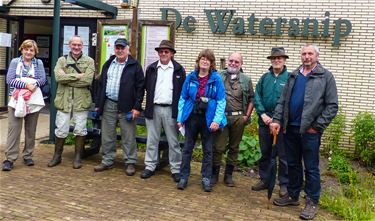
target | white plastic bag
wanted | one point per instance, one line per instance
(21, 109)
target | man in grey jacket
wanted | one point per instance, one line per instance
(305, 109)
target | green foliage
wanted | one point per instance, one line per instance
(198, 153)
(253, 128)
(249, 152)
(70, 139)
(364, 138)
(353, 201)
(334, 133)
(342, 168)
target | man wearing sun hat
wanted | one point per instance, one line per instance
(267, 92)
(163, 84)
(119, 99)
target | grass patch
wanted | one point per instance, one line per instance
(354, 196)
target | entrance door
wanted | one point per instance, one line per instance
(9, 25)
(85, 28)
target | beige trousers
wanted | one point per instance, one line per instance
(14, 135)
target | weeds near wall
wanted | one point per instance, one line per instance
(364, 138)
(334, 133)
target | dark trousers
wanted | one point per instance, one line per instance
(265, 141)
(303, 146)
(229, 139)
(196, 124)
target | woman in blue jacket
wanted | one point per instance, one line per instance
(201, 111)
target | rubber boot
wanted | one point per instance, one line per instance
(215, 174)
(228, 180)
(80, 143)
(59, 147)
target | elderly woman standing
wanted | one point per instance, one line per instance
(201, 111)
(25, 77)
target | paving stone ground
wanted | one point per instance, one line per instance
(63, 193)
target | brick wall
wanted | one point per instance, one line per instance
(351, 62)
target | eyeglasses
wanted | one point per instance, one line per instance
(234, 61)
(164, 51)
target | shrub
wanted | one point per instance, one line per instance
(249, 152)
(364, 138)
(342, 168)
(333, 133)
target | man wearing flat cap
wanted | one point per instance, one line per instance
(163, 84)
(267, 92)
(119, 100)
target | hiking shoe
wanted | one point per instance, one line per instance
(7, 165)
(176, 177)
(101, 167)
(182, 184)
(283, 191)
(206, 185)
(286, 201)
(259, 186)
(28, 162)
(147, 174)
(309, 211)
(130, 169)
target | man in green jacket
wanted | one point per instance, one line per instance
(267, 92)
(74, 74)
(239, 105)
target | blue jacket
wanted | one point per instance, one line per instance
(215, 91)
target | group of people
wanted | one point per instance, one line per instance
(297, 106)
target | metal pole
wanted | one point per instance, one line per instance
(55, 55)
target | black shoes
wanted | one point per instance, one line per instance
(7, 165)
(259, 186)
(286, 201)
(176, 177)
(101, 167)
(206, 185)
(130, 169)
(147, 174)
(28, 162)
(182, 184)
(215, 174)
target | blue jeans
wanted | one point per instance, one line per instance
(303, 147)
(265, 141)
(195, 124)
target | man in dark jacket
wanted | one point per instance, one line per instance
(164, 80)
(305, 109)
(119, 99)
(267, 92)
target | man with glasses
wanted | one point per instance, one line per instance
(239, 105)
(267, 92)
(120, 99)
(163, 84)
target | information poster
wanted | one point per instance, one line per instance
(110, 33)
(151, 38)
(5, 40)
